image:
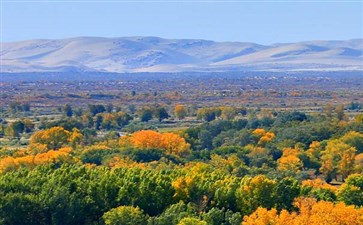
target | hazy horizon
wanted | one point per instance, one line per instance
(263, 22)
(153, 36)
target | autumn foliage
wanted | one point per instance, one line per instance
(171, 143)
(310, 212)
(264, 136)
(30, 161)
(54, 138)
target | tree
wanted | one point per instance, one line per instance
(354, 139)
(208, 114)
(337, 159)
(328, 110)
(309, 212)
(68, 110)
(351, 192)
(28, 125)
(15, 129)
(290, 160)
(145, 114)
(122, 119)
(95, 109)
(255, 192)
(125, 215)
(180, 111)
(95, 154)
(53, 138)
(174, 213)
(228, 113)
(161, 113)
(171, 143)
(339, 110)
(191, 221)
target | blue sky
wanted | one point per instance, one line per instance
(263, 22)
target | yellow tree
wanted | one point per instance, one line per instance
(290, 160)
(54, 138)
(174, 144)
(75, 138)
(346, 163)
(314, 151)
(337, 159)
(180, 111)
(264, 136)
(228, 113)
(358, 168)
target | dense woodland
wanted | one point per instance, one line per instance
(233, 166)
(162, 163)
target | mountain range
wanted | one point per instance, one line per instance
(154, 54)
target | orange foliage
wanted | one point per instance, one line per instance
(259, 132)
(310, 213)
(146, 139)
(50, 157)
(264, 136)
(172, 143)
(9, 163)
(318, 183)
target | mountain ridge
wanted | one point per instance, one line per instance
(155, 54)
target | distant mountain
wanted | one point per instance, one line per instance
(153, 54)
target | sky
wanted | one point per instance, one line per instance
(263, 22)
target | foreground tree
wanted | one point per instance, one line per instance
(309, 212)
(191, 221)
(125, 215)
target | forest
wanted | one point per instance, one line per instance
(239, 151)
(231, 166)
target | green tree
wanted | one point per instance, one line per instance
(125, 215)
(255, 192)
(109, 107)
(15, 129)
(351, 192)
(68, 110)
(174, 213)
(145, 114)
(161, 113)
(191, 221)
